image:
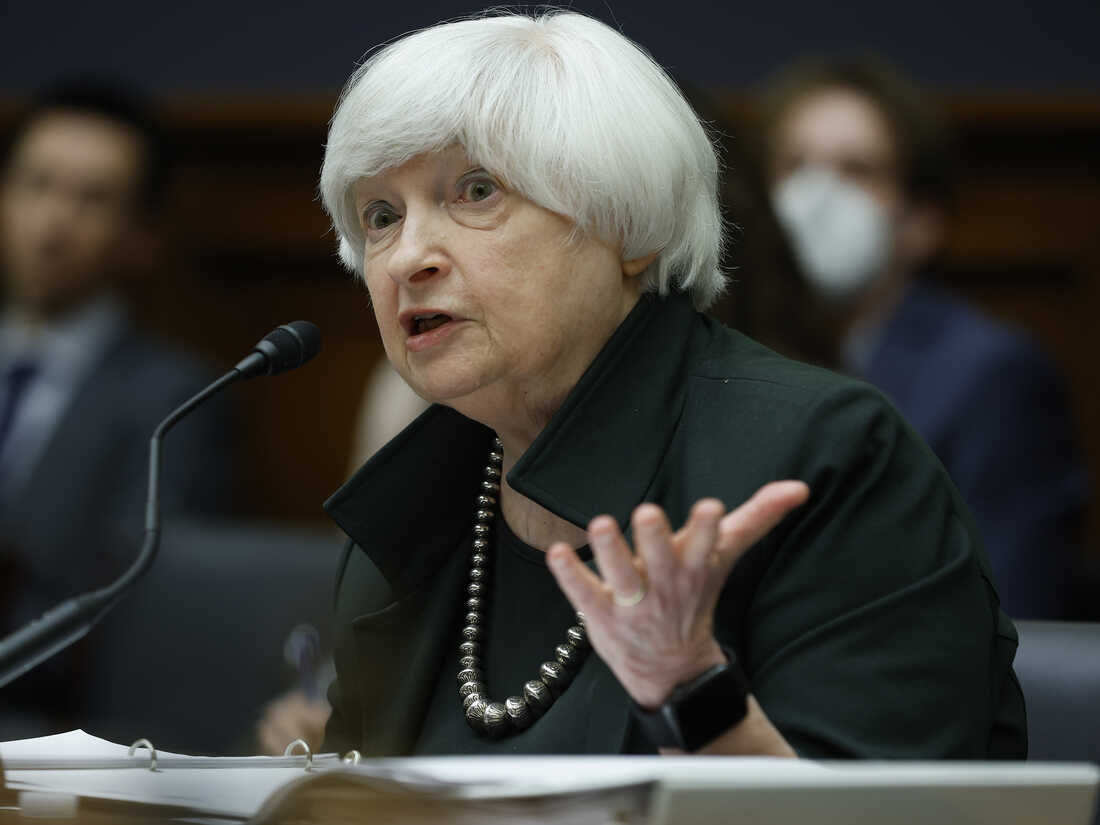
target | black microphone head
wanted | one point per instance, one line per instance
(284, 348)
(307, 343)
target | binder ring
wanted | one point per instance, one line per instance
(352, 758)
(305, 746)
(145, 743)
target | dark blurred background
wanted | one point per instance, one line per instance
(245, 90)
(274, 48)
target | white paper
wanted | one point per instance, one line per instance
(788, 790)
(509, 776)
(75, 743)
(79, 764)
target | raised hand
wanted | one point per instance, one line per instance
(650, 615)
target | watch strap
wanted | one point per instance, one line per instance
(699, 711)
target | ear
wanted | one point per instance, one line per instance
(637, 266)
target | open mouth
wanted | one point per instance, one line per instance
(426, 323)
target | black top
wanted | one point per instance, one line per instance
(527, 617)
(867, 622)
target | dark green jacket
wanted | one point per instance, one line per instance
(866, 622)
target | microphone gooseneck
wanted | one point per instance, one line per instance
(285, 348)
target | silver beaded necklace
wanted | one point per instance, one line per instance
(516, 713)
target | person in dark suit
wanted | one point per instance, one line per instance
(543, 561)
(81, 389)
(995, 410)
(856, 164)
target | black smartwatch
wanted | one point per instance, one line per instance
(699, 711)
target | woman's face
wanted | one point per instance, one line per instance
(485, 301)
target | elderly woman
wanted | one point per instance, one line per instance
(543, 562)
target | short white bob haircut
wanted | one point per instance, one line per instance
(565, 111)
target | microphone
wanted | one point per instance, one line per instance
(284, 348)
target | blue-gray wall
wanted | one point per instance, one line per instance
(283, 47)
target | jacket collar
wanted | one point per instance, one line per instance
(598, 454)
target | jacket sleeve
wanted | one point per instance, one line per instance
(874, 629)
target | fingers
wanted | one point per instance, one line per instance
(754, 519)
(272, 740)
(613, 556)
(583, 588)
(709, 538)
(700, 534)
(653, 540)
(291, 717)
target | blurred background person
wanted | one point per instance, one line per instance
(81, 389)
(854, 163)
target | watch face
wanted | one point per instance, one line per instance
(699, 712)
(710, 707)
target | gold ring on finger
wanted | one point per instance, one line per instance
(631, 599)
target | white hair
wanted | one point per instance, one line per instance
(566, 111)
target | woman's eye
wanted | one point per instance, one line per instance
(478, 189)
(380, 216)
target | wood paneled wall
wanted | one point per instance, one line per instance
(1026, 245)
(247, 247)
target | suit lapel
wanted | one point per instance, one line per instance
(417, 491)
(87, 410)
(603, 447)
(65, 472)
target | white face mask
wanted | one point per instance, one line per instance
(840, 236)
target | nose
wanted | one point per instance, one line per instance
(420, 251)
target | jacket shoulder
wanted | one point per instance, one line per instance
(742, 385)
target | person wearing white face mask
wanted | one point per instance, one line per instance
(840, 235)
(855, 164)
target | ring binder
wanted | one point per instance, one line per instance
(145, 743)
(287, 751)
(352, 758)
